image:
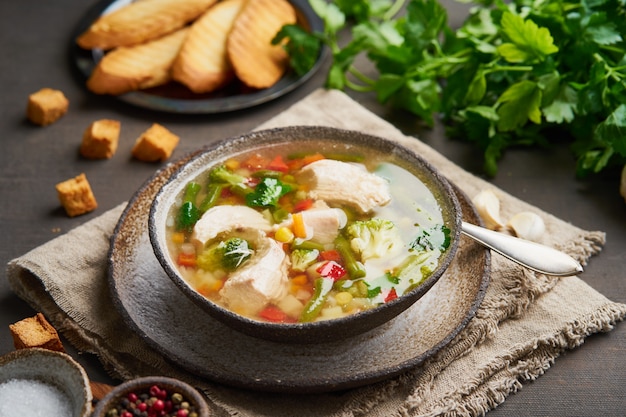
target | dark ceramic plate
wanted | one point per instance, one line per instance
(174, 97)
(192, 339)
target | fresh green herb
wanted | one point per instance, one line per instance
(436, 237)
(520, 72)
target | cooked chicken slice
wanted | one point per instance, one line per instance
(220, 218)
(262, 280)
(339, 182)
(322, 225)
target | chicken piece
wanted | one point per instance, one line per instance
(322, 225)
(221, 218)
(339, 182)
(262, 280)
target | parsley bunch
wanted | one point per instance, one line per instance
(525, 72)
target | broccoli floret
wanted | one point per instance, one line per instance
(223, 175)
(301, 259)
(228, 255)
(374, 238)
(236, 182)
(235, 251)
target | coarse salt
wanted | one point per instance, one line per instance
(33, 398)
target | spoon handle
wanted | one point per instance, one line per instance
(535, 256)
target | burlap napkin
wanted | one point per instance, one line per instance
(525, 321)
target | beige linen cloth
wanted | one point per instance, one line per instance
(524, 323)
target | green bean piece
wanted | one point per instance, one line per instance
(314, 307)
(354, 267)
(306, 244)
(188, 215)
(191, 192)
(213, 193)
(267, 173)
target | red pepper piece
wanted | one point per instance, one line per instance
(278, 164)
(332, 269)
(187, 259)
(273, 314)
(330, 255)
(302, 205)
(391, 296)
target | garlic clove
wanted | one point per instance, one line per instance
(527, 225)
(488, 206)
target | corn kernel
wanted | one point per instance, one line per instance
(343, 298)
(232, 164)
(284, 235)
(178, 237)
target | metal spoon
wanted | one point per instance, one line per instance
(534, 256)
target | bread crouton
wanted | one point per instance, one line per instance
(155, 144)
(76, 196)
(100, 139)
(35, 332)
(46, 106)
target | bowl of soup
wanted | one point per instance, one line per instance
(305, 234)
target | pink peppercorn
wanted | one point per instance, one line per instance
(155, 390)
(158, 405)
(182, 412)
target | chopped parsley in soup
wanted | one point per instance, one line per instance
(304, 237)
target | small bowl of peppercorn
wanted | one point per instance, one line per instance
(152, 396)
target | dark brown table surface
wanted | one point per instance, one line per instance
(34, 42)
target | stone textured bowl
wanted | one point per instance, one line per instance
(143, 385)
(53, 368)
(301, 138)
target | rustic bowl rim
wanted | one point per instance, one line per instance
(310, 332)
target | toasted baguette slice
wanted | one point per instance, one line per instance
(140, 22)
(137, 67)
(257, 62)
(202, 64)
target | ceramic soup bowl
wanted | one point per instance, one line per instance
(305, 234)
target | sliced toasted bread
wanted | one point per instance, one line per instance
(202, 64)
(257, 62)
(137, 67)
(141, 21)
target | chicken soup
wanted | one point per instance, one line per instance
(306, 236)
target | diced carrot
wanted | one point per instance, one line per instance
(187, 259)
(300, 279)
(330, 255)
(299, 228)
(312, 158)
(277, 164)
(302, 205)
